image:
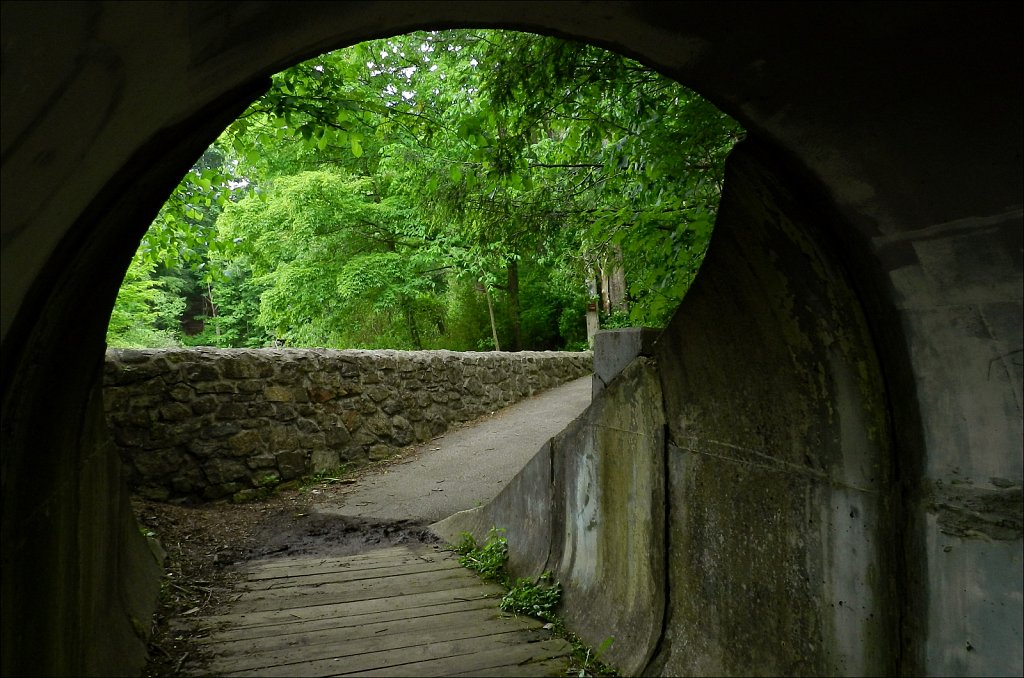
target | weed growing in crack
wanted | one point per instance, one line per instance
(537, 599)
(534, 598)
(488, 560)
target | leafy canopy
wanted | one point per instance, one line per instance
(442, 188)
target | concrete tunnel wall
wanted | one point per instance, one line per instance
(753, 446)
(900, 124)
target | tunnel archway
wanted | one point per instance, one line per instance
(919, 195)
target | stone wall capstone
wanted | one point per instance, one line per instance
(204, 424)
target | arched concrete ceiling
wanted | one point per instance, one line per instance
(901, 121)
(841, 88)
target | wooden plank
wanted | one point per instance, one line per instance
(270, 566)
(289, 578)
(397, 611)
(348, 620)
(297, 597)
(556, 666)
(331, 645)
(339, 565)
(337, 665)
(384, 550)
(342, 636)
(473, 592)
(543, 658)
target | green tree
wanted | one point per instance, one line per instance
(143, 305)
(332, 255)
(408, 191)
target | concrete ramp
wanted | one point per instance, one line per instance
(590, 508)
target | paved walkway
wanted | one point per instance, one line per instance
(408, 610)
(468, 466)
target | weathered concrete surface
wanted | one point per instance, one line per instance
(615, 349)
(523, 509)
(782, 538)
(574, 510)
(108, 573)
(106, 105)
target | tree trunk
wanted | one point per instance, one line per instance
(614, 283)
(490, 310)
(410, 319)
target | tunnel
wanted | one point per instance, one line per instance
(839, 397)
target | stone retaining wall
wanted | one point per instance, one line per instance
(208, 423)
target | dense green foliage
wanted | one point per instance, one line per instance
(448, 189)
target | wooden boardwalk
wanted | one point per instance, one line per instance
(398, 611)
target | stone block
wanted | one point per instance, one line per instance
(378, 393)
(220, 471)
(291, 463)
(263, 460)
(220, 430)
(250, 386)
(260, 410)
(281, 436)
(213, 387)
(380, 451)
(337, 435)
(324, 459)
(278, 394)
(188, 482)
(201, 372)
(402, 434)
(320, 394)
(244, 443)
(239, 368)
(307, 426)
(285, 411)
(232, 411)
(143, 418)
(310, 440)
(423, 431)
(131, 437)
(379, 425)
(155, 464)
(204, 448)
(204, 404)
(181, 393)
(351, 419)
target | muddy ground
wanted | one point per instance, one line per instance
(204, 541)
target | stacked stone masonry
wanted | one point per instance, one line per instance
(203, 424)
